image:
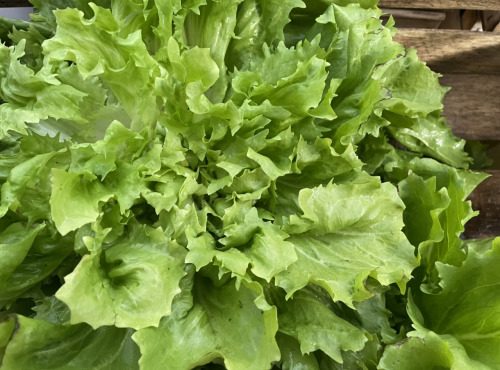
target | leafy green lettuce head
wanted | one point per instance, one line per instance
(231, 181)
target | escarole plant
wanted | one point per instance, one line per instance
(252, 184)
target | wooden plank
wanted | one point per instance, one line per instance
(472, 107)
(455, 51)
(442, 4)
(485, 199)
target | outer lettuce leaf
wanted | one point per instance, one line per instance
(364, 359)
(61, 103)
(429, 136)
(15, 243)
(375, 318)
(344, 238)
(430, 352)
(466, 306)
(37, 344)
(424, 204)
(316, 327)
(437, 212)
(212, 330)
(28, 186)
(29, 256)
(425, 346)
(291, 354)
(414, 110)
(129, 284)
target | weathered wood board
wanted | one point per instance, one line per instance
(442, 4)
(485, 199)
(472, 107)
(455, 51)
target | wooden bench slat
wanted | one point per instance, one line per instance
(486, 199)
(442, 4)
(472, 107)
(454, 51)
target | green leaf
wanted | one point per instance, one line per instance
(212, 330)
(15, 243)
(38, 345)
(212, 27)
(100, 50)
(320, 161)
(258, 23)
(280, 78)
(28, 185)
(267, 254)
(424, 204)
(32, 263)
(466, 306)
(366, 359)
(44, 9)
(414, 88)
(292, 357)
(129, 284)
(375, 318)
(344, 238)
(430, 352)
(415, 108)
(437, 212)
(316, 327)
(75, 200)
(442, 348)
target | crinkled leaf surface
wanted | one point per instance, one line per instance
(429, 352)
(344, 238)
(436, 212)
(129, 284)
(467, 305)
(211, 330)
(316, 327)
